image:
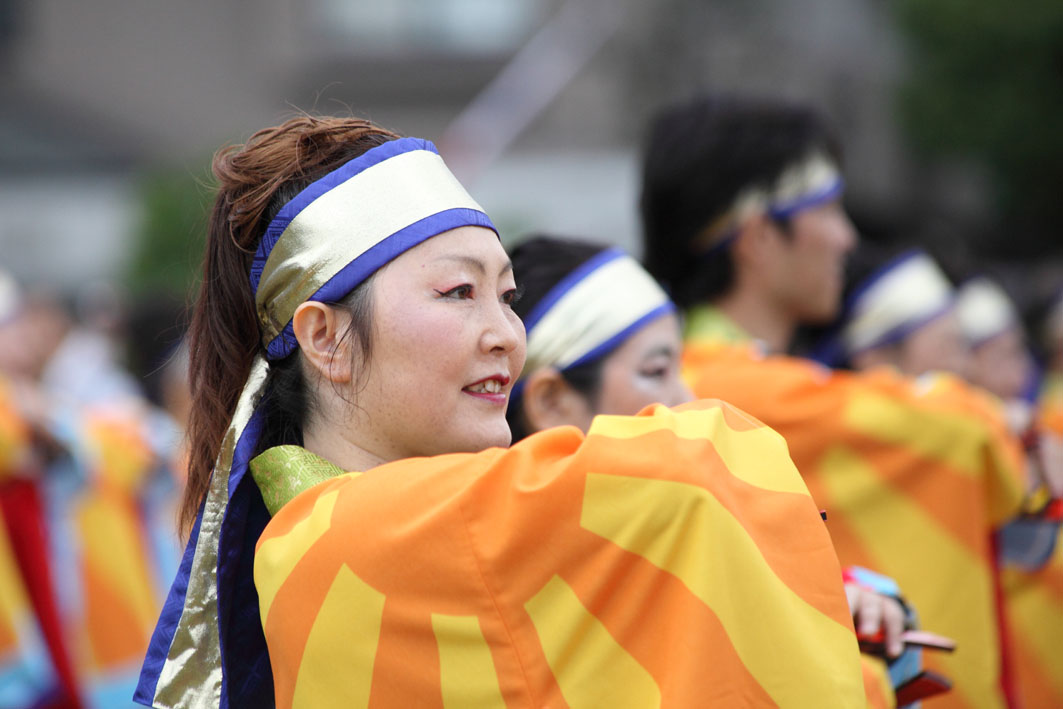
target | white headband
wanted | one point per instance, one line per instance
(984, 310)
(342, 228)
(591, 311)
(810, 182)
(901, 297)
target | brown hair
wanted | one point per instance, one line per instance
(254, 181)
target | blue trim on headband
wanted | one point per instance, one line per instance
(616, 340)
(605, 347)
(568, 283)
(785, 210)
(337, 177)
(730, 236)
(877, 275)
(902, 331)
(384, 251)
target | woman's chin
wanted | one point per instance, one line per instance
(491, 437)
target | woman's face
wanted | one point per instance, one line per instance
(644, 370)
(937, 346)
(1002, 365)
(447, 348)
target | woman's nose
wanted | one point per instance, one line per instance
(503, 330)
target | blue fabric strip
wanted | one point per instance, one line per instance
(902, 331)
(159, 646)
(355, 273)
(244, 521)
(877, 275)
(721, 245)
(616, 340)
(604, 348)
(568, 283)
(337, 177)
(785, 210)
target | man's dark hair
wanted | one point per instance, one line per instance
(697, 157)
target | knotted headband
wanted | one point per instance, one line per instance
(208, 649)
(591, 311)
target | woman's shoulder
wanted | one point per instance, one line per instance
(691, 444)
(509, 537)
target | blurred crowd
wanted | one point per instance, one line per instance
(94, 399)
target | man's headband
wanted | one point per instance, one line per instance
(808, 183)
(325, 242)
(591, 311)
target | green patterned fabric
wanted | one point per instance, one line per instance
(282, 472)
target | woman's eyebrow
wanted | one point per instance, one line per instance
(474, 263)
(666, 350)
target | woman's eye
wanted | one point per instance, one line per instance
(512, 296)
(655, 372)
(459, 292)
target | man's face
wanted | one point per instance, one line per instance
(808, 264)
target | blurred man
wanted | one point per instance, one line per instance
(743, 222)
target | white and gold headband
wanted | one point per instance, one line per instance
(591, 311)
(984, 310)
(808, 183)
(901, 297)
(208, 649)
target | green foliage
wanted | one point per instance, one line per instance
(986, 82)
(169, 244)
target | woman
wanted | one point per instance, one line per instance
(603, 338)
(598, 570)
(899, 312)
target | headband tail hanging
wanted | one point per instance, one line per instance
(185, 658)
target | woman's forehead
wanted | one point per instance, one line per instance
(469, 245)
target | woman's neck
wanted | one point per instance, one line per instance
(338, 450)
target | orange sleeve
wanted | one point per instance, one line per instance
(671, 558)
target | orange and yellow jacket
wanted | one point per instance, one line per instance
(914, 474)
(1035, 598)
(673, 558)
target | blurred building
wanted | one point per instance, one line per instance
(539, 104)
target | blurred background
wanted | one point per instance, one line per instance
(950, 112)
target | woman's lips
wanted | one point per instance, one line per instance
(491, 388)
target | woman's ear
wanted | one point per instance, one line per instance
(321, 331)
(551, 401)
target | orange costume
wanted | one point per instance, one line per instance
(674, 558)
(120, 594)
(1035, 597)
(914, 474)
